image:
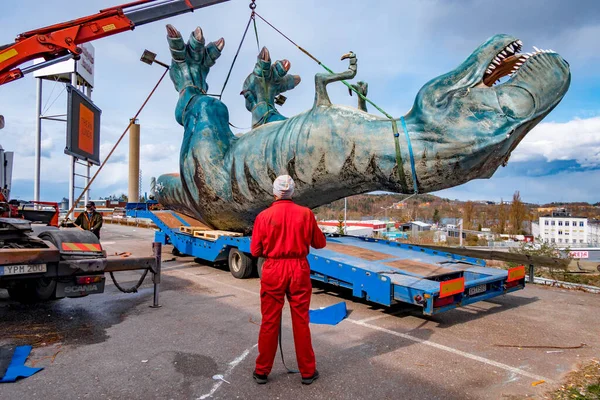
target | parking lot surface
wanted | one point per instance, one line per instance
(114, 346)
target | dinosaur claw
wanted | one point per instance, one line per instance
(286, 65)
(264, 54)
(348, 55)
(220, 44)
(172, 32)
(297, 80)
(198, 34)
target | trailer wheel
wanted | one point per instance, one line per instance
(259, 266)
(240, 265)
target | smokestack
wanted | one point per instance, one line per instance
(134, 163)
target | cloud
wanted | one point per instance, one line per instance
(564, 186)
(28, 150)
(159, 151)
(400, 46)
(577, 140)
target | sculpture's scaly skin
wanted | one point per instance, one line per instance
(460, 129)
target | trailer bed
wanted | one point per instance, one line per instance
(380, 271)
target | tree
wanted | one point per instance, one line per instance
(468, 213)
(518, 214)
(436, 216)
(340, 226)
(502, 214)
(545, 249)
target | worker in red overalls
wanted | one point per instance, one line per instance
(283, 234)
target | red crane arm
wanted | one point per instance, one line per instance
(61, 39)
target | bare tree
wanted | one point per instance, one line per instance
(468, 212)
(518, 214)
(502, 214)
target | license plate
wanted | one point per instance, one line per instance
(22, 269)
(477, 289)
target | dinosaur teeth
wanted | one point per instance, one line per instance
(492, 66)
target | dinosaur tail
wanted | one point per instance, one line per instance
(171, 195)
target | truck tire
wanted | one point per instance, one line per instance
(34, 291)
(58, 237)
(240, 265)
(259, 266)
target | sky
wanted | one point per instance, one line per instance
(400, 46)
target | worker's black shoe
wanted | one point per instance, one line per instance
(309, 380)
(260, 379)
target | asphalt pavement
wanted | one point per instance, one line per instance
(114, 346)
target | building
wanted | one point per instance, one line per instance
(355, 228)
(594, 233)
(561, 227)
(415, 225)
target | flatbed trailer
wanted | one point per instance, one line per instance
(379, 271)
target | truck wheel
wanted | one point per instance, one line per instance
(240, 265)
(19, 292)
(34, 291)
(259, 266)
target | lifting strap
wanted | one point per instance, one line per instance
(399, 166)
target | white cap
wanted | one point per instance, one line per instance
(283, 187)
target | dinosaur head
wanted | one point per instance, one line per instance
(469, 105)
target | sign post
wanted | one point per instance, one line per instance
(80, 74)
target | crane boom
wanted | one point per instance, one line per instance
(62, 40)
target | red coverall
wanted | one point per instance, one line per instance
(283, 234)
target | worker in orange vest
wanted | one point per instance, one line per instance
(283, 234)
(90, 219)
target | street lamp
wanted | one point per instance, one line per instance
(149, 57)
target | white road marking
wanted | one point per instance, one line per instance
(380, 316)
(363, 323)
(232, 365)
(451, 350)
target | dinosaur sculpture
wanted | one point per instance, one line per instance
(461, 127)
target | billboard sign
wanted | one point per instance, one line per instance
(84, 67)
(83, 127)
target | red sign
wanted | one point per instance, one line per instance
(579, 254)
(86, 129)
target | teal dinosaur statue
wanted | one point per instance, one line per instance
(461, 127)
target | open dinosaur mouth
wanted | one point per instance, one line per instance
(508, 62)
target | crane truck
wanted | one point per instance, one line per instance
(41, 263)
